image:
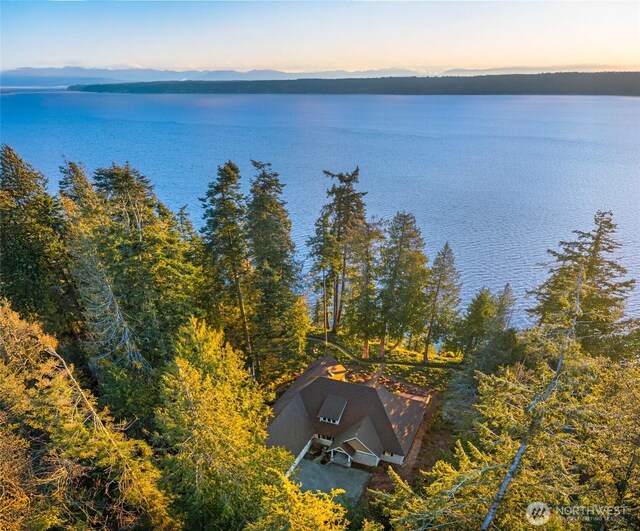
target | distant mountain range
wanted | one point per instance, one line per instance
(71, 75)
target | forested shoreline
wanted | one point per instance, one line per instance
(139, 356)
(568, 83)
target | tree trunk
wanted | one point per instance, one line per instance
(381, 348)
(343, 281)
(434, 311)
(365, 350)
(623, 484)
(425, 355)
(255, 363)
(395, 345)
(325, 310)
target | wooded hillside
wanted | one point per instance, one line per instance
(139, 356)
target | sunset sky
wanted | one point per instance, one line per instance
(310, 36)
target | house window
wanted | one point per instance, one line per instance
(325, 437)
(387, 453)
(328, 420)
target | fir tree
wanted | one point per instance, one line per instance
(323, 249)
(284, 506)
(279, 319)
(505, 306)
(135, 278)
(226, 254)
(33, 265)
(478, 320)
(442, 298)
(604, 292)
(146, 259)
(214, 418)
(89, 474)
(362, 319)
(403, 277)
(336, 228)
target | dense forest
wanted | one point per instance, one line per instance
(601, 83)
(139, 356)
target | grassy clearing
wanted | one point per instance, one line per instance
(427, 377)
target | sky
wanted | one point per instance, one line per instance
(429, 37)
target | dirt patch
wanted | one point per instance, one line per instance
(391, 383)
(433, 440)
(436, 443)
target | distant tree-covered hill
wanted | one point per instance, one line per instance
(602, 83)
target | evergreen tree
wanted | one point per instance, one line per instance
(442, 298)
(604, 288)
(505, 306)
(146, 258)
(362, 319)
(403, 277)
(323, 249)
(478, 321)
(213, 418)
(338, 223)
(225, 241)
(279, 321)
(21, 505)
(109, 333)
(576, 452)
(286, 507)
(133, 268)
(33, 265)
(84, 472)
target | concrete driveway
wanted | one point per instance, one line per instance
(314, 476)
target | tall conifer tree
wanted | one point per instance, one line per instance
(214, 418)
(604, 288)
(363, 312)
(33, 274)
(279, 319)
(338, 223)
(403, 277)
(225, 240)
(442, 298)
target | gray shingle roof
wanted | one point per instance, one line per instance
(365, 432)
(396, 419)
(393, 420)
(332, 407)
(291, 429)
(323, 367)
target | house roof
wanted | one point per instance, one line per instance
(332, 407)
(365, 432)
(292, 429)
(345, 447)
(392, 420)
(327, 366)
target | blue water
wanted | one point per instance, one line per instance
(502, 178)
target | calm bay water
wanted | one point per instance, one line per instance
(502, 178)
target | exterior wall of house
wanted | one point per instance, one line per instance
(299, 457)
(324, 442)
(395, 459)
(365, 459)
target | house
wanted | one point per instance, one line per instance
(356, 423)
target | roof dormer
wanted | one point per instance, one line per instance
(332, 409)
